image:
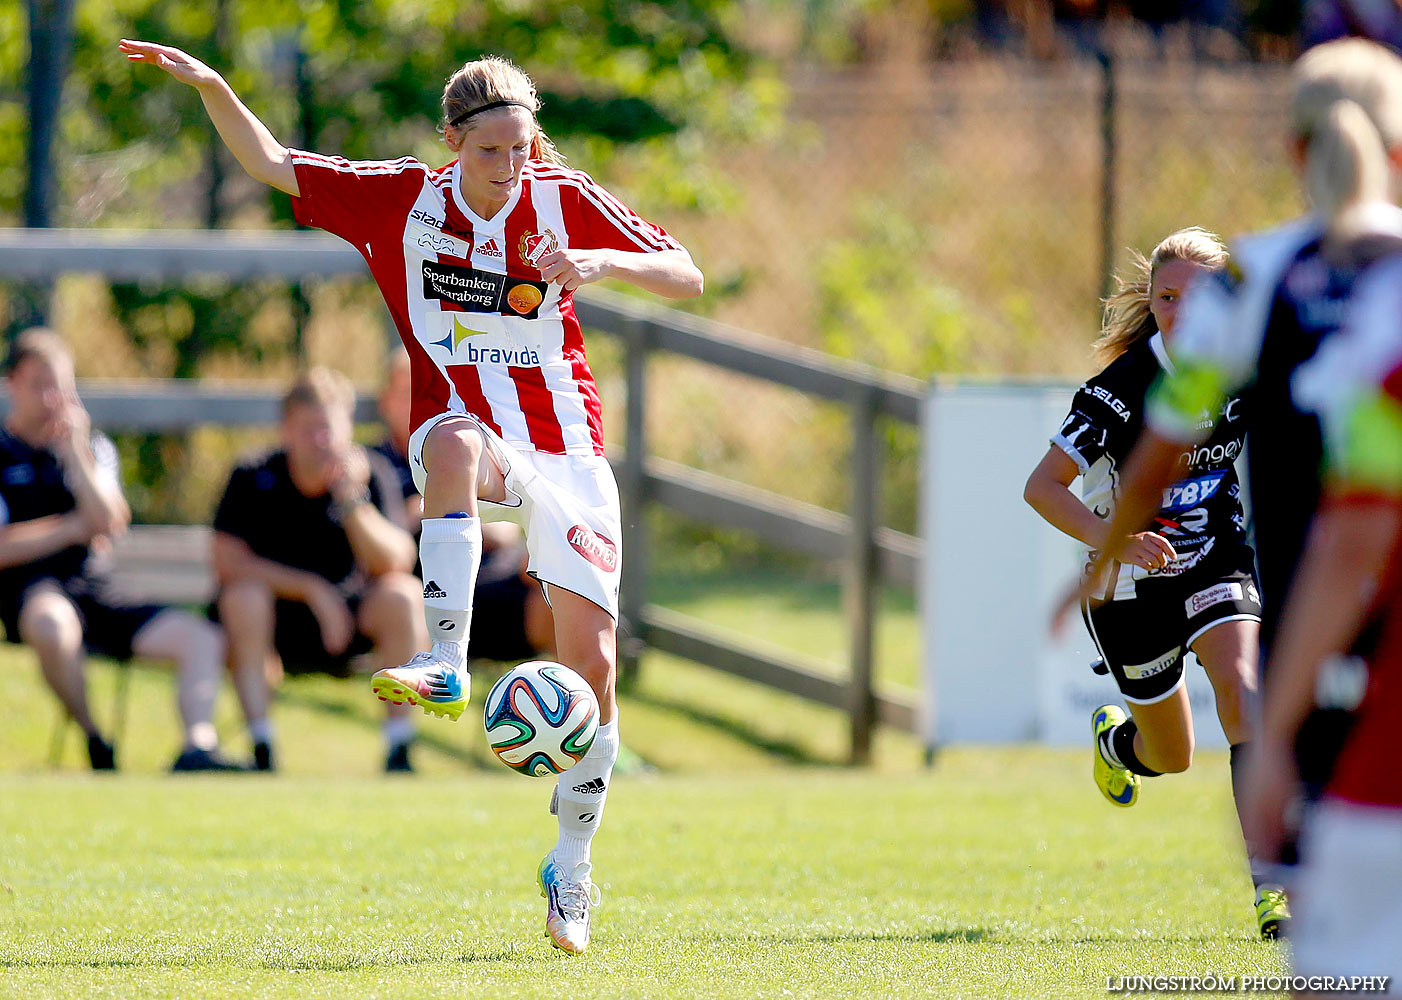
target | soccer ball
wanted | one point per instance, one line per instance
(541, 718)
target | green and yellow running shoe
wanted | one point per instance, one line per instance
(1272, 912)
(1117, 784)
(437, 683)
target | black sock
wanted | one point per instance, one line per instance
(1122, 743)
(1236, 760)
(100, 753)
(1261, 873)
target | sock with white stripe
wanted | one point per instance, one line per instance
(1121, 753)
(579, 798)
(450, 550)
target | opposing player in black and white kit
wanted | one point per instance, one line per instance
(1187, 583)
(1249, 330)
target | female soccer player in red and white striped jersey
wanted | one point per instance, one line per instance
(478, 262)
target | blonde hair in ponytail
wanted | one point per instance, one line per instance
(486, 81)
(1347, 109)
(1127, 317)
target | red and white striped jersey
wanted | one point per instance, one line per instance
(485, 334)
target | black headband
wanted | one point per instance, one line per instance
(490, 107)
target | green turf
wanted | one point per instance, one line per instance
(742, 863)
(1001, 873)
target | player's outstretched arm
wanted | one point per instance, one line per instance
(670, 273)
(264, 158)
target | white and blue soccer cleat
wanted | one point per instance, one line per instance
(437, 681)
(568, 900)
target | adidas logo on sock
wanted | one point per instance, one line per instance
(594, 786)
(432, 590)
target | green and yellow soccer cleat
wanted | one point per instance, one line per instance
(1117, 784)
(437, 685)
(1272, 912)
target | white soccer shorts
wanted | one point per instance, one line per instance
(568, 507)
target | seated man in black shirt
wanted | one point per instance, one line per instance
(313, 561)
(60, 504)
(511, 620)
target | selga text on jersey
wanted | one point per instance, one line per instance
(485, 334)
(1201, 515)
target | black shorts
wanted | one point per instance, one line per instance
(1143, 639)
(109, 625)
(297, 639)
(499, 619)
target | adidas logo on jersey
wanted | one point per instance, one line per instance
(433, 591)
(492, 249)
(594, 786)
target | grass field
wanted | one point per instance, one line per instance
(999, 874)
(742, 862)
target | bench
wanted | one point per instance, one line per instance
(165, 564)
(152, 564)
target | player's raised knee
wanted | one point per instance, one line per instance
(451, 446)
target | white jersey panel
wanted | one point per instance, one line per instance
(558, 371)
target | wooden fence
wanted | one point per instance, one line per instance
(870, 551)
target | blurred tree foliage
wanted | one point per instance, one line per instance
(362, 78)
(628, 88)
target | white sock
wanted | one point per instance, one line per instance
(398, 730)
(260, 731)
(450, 550)
(580, 793)
(202, 736)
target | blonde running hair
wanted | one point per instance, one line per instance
(1127, 317)
(486, 81)
(1347, 109)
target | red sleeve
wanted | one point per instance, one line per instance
(349, 198)
(599, 220)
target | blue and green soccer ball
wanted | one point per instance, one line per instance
(541, 718)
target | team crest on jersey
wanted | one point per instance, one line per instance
(533, 246)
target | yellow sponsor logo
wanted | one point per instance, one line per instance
(461, 333)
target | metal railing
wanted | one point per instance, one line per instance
(870, 551)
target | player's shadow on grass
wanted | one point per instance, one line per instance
(352, 963)
(952, 935)
(743, 731)
(368, 717)
(340, 964)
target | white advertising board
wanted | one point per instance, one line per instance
(993, 572)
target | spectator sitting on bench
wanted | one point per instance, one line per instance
(60, 504)
(313, 563)
(510, 620)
